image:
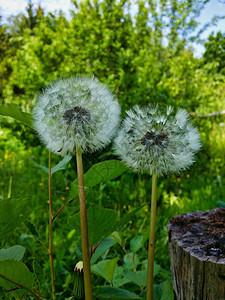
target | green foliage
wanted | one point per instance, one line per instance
(215, 51)
(13, 111)
(12, 212)
(15, 252)
(17, 272)
(62, 165)
(98, 173)
(102, 248)
(113, 293)
(101, 222)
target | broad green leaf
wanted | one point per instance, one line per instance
(102, 248)
(32, 228)
(13, 111)
(105, 268)
(163, 291)
(132, 276)
(99, 269)
(110, 267)
(118, 278)
(128, 258)
(136, 243)
(10, 214)
(100, 172)
(100, 222)
(18, 272)
(127, 218)
(62, 165)
(117, 237)
(15, 252)
(108, 292)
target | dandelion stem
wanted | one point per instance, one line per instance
(84, 227)
(50, 228)
(151, 245)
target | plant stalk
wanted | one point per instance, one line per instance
(50, 227)
(84, 227)
(151, 245)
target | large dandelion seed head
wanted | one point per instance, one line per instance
(76, 112)
(154, 141)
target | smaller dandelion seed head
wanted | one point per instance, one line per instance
(76, 112)
(156, 141)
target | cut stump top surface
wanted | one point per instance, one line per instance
(200, 233)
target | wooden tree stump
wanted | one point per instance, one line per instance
(197, 255)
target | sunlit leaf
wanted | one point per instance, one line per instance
(13, 111)
(15, 252)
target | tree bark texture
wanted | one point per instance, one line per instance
(197, 255)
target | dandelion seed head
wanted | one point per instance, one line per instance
(161, 142)
(76, 112)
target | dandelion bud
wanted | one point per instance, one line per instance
(78, 281)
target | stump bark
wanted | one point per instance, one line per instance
(197, 255)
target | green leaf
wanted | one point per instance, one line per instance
(128, 260)
(13, 111)
(131, 275)
(127, 218)
(100, 222)
(107, 292)
(110, 267)
(18, 272)
(62, 165)
(41, 167)
(102, 248)
(136, 243)
(99, 269)
(10, 214)
(105, 268)
(163, 291)
(32, 228)
(100, 172)
(15, 252)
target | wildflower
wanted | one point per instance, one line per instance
(188, 175)
(153, 142)
(63, 198)
(40, 183)
(76, 112)
(67, 188)
(178, 179)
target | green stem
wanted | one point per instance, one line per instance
(151, 245)
(84, 227)
(50, 228)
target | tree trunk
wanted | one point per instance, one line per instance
(197, 255)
